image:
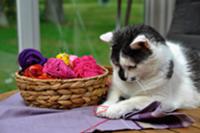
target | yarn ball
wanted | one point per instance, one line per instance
(72, 58)
(57, 68)
(44, 76)
(86, 66)
(29, 57)
(33, 71)
(36, 71)
(64, 57)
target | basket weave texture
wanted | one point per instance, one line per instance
(62, 94)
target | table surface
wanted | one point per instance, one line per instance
(194, 113)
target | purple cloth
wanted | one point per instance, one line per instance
(15, 117)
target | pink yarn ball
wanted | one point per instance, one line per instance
(72, 58)
(57, 68)
(86, 66)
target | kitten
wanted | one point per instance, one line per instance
(148, 68)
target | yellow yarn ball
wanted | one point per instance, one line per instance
(64, 57)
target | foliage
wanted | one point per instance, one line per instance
(10, 9)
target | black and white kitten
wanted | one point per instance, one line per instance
(148, 68)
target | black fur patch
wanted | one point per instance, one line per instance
(137, 55)
(121, 74)
(193, 57)
(171, 69)
(122, 39)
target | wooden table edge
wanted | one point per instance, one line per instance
(5, 95)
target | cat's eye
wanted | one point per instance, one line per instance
(131, 67)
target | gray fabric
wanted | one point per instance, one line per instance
(185, 26)
(15, 117)
(190, 41)
(186, 19)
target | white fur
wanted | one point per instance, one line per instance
(151, 83)
(140, 38)
(107, 37)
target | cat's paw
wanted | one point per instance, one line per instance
(101, 109)
(113, 111)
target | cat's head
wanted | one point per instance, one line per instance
(135, 51)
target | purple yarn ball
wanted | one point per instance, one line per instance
(29, 57)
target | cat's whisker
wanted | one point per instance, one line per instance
(144, 89)
(141, 86)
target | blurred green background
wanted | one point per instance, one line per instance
(77, 33)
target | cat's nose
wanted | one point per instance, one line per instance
(133, 78)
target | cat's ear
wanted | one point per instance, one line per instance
(107, 37)
(140, 42)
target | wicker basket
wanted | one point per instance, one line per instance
(62, 94)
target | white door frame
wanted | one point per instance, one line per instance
(28, 24)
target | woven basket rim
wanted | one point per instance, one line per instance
(106, 72)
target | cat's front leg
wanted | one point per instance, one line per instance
(112, 98)
(116, 110)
